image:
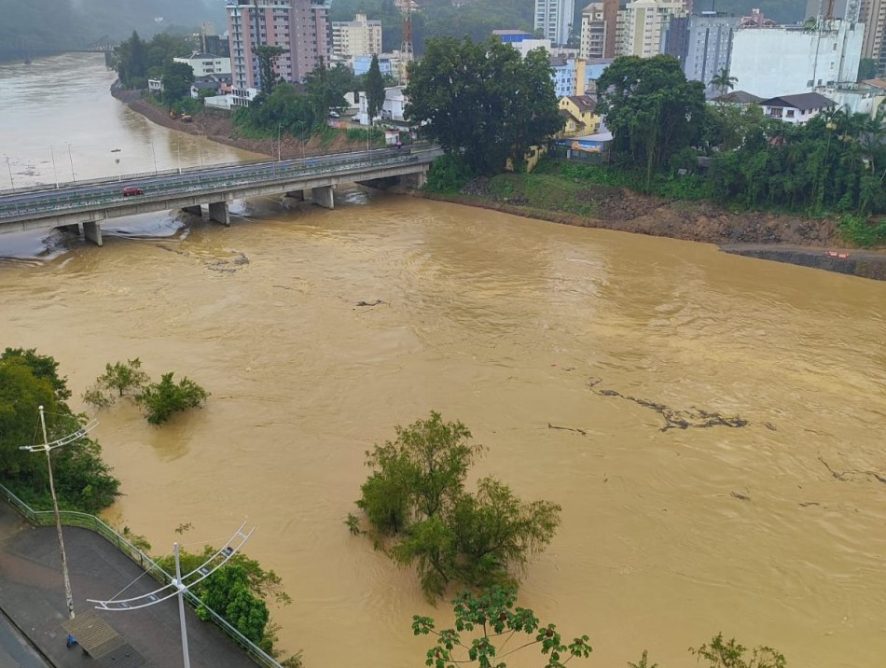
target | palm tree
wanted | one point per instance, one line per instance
(723, 82)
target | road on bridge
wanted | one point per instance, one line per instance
(44, 200)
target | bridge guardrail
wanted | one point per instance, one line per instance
(91, 522)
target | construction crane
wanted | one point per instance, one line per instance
(406, 52)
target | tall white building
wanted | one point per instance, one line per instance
(788, 60)
(641, 25)
(554, 19)
(873, 15)
(206, 64)
(359, 37)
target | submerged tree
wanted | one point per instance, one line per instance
(416, 504)
(485, 623)
(161, 400)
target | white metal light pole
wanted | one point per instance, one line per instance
(154, 153)
(70, 157)
(181, 584)
(9, 167)
(48, 447)
(279, 125)
(54, 171)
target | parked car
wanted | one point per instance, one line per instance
(130, 191)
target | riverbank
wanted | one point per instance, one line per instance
(218, 127)
(780, 237)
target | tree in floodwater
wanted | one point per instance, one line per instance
(484, 623)
(415, 502)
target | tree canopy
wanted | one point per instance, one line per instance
(651, 109)
(83, 481)
(375, 90)
(482, 101)
(416, 503)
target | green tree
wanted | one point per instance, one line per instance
(651, 109)
(238, 591)
(267, 57)
(720, 653)
(484, 623)
(415, 500)
(482, 102)
(177, 80)
(120, 378)
(723, 82)
(83, 481)
(161, 400)
(375, 89)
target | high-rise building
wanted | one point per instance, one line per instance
(873, 15)
(359, 37)
(554, 19)
(805, 59)
(702, 44)
(641, 25)
(817, 8)
(593, 32)
(299, 27)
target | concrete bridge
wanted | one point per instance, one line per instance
(86, 204)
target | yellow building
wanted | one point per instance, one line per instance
(579, 115)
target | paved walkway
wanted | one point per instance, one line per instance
(32, 596)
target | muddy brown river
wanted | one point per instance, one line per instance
(667, 537)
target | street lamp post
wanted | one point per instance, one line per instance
(9, 167)
(48, 447)
(54, 172)
(71, 158)
(154, 153)
(180, 585)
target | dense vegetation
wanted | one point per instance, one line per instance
(418, 509)
(482, 102)
(238, 591)
(50, 26)
(484, 623)
(159, 401)
(82, 480)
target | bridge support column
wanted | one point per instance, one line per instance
(93, 232)
(71, 229)
(218, 211)
(416, 181)
(322, 196)
(194, 210)
(298, 195)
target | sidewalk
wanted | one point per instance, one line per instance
(32, 596)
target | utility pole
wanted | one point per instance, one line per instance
(9, 167)
(70, 157)
(48, 447)
(154, 153)
(180, 585)
(54, 172)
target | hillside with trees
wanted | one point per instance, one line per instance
(40, 27)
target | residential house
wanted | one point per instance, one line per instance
(738, 98)
(392, 109)
(796, 109)
(579, 113)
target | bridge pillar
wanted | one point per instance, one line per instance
(93, 232)
(71, 229)
(194, 210)
(218, 211)
(298, 195)
(322, 196)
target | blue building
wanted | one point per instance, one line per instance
(511, 36)
(386, 64)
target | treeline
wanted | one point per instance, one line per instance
(834, 163)
(52, 26)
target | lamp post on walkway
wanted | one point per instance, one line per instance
(48, 447)
(181, 584)
(71, 158)
(54, 172)
(9, 167)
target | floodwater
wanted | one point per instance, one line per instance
(667, 537)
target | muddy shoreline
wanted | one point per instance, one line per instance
(766, 236)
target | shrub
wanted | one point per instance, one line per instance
(161, 400)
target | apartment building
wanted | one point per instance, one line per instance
(593, 31)
(873, 14)
(554, 19)
(641, 25)
(359, 37)
(300, 27)
(702, 44)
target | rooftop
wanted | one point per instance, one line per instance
(802, 101)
